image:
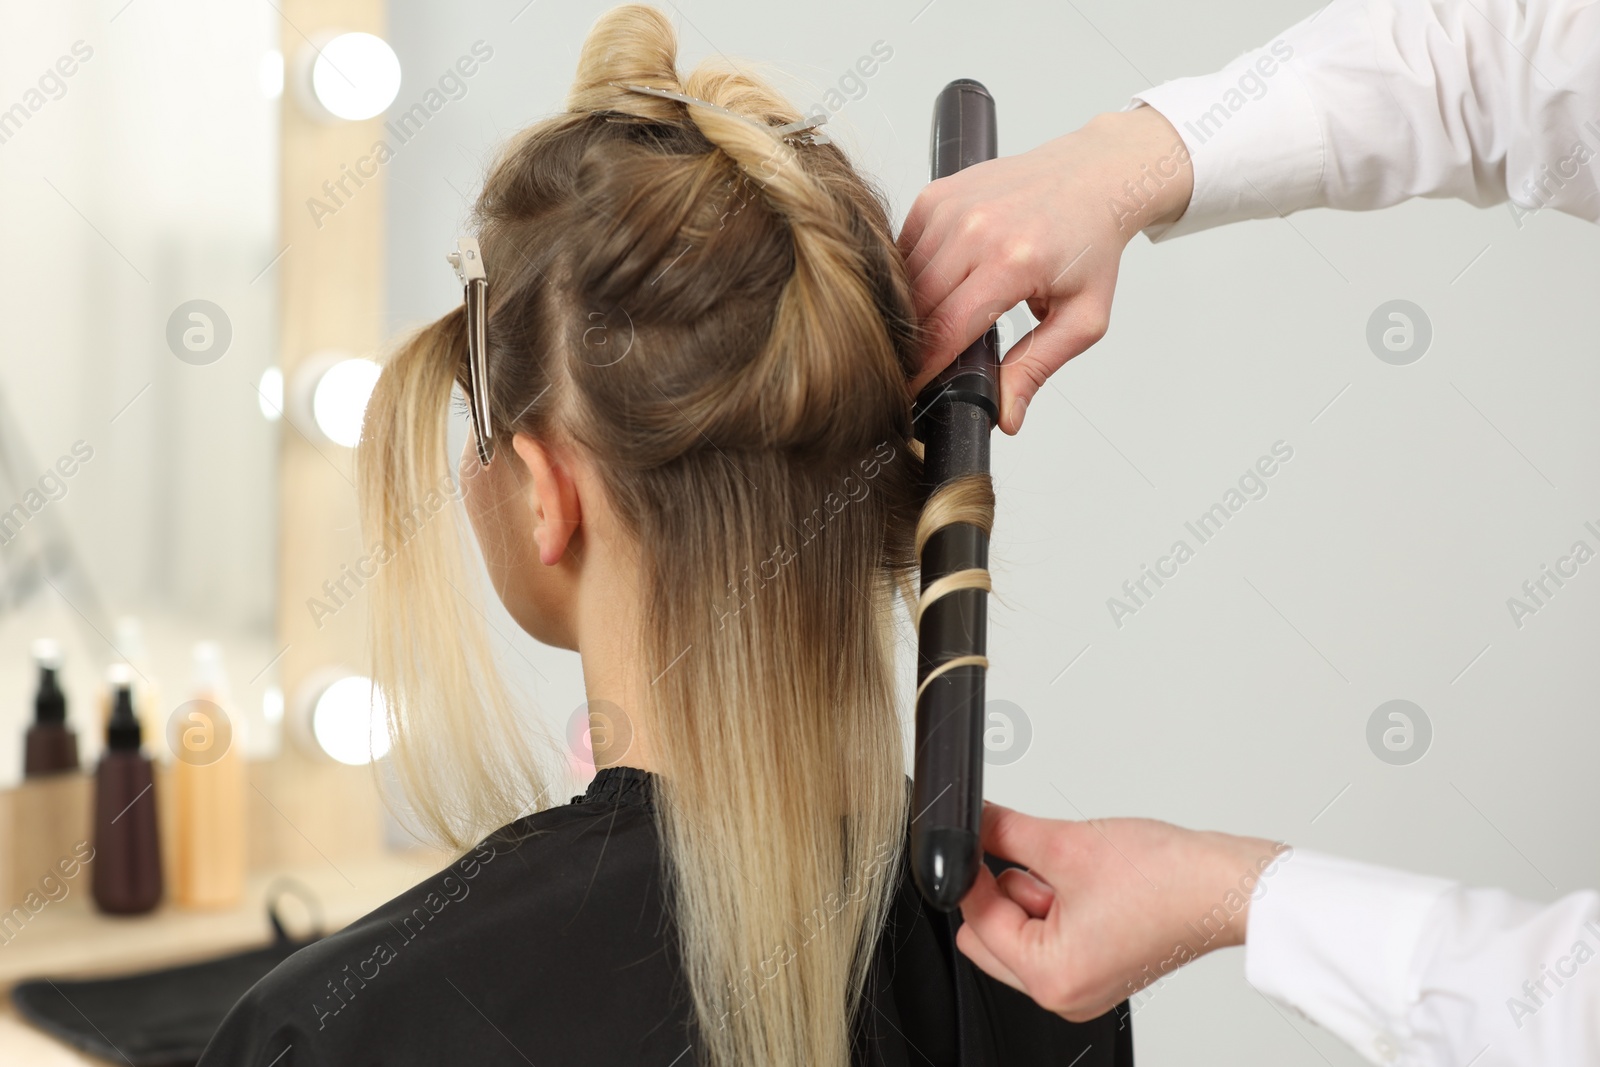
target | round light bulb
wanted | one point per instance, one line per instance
(269, 394)
(339, 401)
(355, 76)
(350, 723)
(269, 75)
(272, 705)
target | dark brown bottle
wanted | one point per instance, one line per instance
(51, 746)
(127, 850)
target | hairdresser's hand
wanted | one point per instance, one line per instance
(1047, 227)
(1110, 906)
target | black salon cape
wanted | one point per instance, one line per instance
(549, 945)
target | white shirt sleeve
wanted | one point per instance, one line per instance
(1371, 102)
(1422, 972)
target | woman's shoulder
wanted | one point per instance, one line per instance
(481, 962)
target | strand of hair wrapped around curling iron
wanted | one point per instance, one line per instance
(970, 500)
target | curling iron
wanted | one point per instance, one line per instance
(955, 414)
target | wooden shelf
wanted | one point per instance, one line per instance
(70, 939)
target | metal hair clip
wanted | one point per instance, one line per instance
(803, 130)
(468, 263)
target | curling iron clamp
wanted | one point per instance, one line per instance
(955, 414)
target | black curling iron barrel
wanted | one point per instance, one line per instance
(954, 416)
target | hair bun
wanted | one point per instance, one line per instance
(629, 45)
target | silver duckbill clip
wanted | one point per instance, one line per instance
(468, 263)
(804, 131)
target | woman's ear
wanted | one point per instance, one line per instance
(552, 495)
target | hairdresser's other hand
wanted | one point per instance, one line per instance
(1109, 906)
(1047, 227)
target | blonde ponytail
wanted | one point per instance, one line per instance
(430, 653)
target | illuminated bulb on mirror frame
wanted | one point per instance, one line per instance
(339, 399)
(351, 76)
(349, 722)
(271, 741)
(269, 394)
(325, 396)
(269, 75)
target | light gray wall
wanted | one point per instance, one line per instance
(1377, 566)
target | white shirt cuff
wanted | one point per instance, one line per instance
(1338, 941)
(1252, 133)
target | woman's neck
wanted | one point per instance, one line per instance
(615, 683)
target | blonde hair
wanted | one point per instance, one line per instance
(754, 435)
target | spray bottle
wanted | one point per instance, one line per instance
(51, 746)
(127, 847)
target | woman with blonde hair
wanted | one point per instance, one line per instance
(685, 348)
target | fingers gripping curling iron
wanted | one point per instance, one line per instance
(954, 416)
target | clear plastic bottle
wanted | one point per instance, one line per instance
(208, 775)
